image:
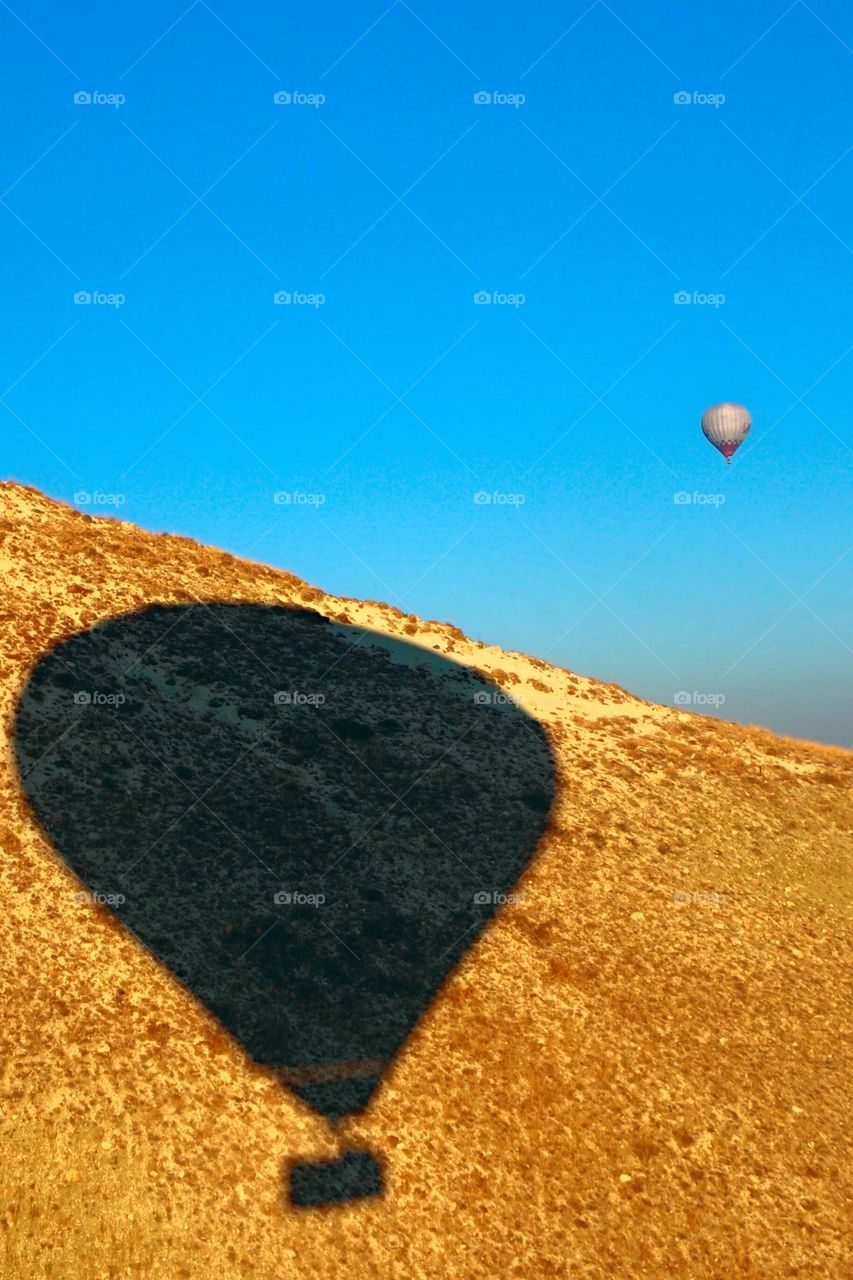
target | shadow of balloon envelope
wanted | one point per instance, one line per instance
(308, 823)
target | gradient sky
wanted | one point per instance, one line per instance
(398, 398)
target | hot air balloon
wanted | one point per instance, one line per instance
(726, 425)
(309, 862)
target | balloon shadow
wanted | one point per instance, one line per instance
(308, 823)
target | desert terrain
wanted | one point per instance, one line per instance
(640, 1069)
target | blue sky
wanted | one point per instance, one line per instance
(582, 198)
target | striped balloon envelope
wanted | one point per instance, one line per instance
(726, 426)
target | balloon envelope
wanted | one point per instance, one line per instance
(307, 822)
(726, 426)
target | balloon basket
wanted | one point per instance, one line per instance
(352, 1176)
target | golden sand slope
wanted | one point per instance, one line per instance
(642, 1068)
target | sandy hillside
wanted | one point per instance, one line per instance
(640, 1069)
